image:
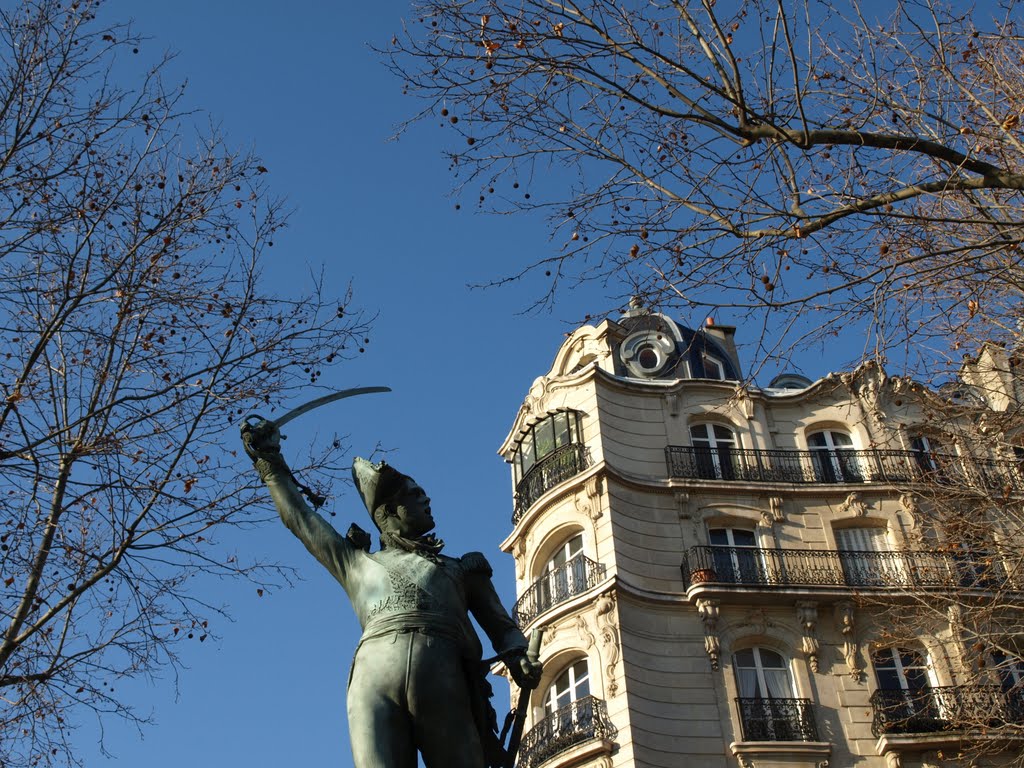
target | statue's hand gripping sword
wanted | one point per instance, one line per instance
(261, 437)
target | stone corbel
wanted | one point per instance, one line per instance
(684, 505)
(708, 610)
(807, 616)
(745, 402)
(774, 513)
(851, 650)
(908, 503)
(672, 403)
(609, 634)
(519, 555)
(893, 760)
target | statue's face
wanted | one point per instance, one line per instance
(412, 513)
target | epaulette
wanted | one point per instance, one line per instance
(475, 562)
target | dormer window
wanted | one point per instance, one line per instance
(713, 368)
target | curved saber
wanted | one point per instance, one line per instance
(294, 413)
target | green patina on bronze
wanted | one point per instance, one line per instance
(418, 682)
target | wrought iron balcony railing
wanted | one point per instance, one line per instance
(558, 466)
(949, 708)
(777, 720)
(782, 568)
(841, 466)
(579, 722)
(556, 586)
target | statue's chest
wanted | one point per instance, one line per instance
(400, 582)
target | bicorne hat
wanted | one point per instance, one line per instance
(377, 483)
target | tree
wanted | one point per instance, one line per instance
(809, 166)
(135, 333)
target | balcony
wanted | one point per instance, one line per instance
(584, 720)
(712, 566)
(557, 586)
(950, 708)
(841, 466)
(558, 466)
(777, 720)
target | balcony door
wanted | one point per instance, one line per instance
(859, 557)
(565, 574)
(735, 556)
(905, 684)
(765, 696)
(713, 451)
(1010, 672)
(833, 458)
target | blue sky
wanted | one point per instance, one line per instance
(297, 82)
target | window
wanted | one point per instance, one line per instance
(861, 567)
(1010, 672)
(927, 455)
(904, 690)
(565, 574)
(544, 438)
(713, 449)
(713, 367)
(570, 686)
(833, 458)
(735, 556)
(767, 707)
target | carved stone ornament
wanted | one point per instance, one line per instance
(708, 610)
(684, 505)
(586, 636)
(757, 621)
(908, 503)
(807, 616)
(609, 634)
(851, 650)
(854, 505)
(893, 760)
(519, 554)
(774, 512)
(672, 403)
(745, 761)
(537, 397)
(745, 403)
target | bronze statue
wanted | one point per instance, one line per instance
(417, 681)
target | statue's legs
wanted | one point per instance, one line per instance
(408, 691)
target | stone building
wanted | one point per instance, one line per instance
(715, 566)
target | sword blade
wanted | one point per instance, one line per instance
(294, 413)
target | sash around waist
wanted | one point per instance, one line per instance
(427, 622)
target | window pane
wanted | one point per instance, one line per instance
(723, 435)
(719, 537)
(699, 434)
(818, 440)
(562, 434)
(544, 438)
(526, 451)
(841, 440)
(743, 538)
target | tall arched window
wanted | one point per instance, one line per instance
(565, 574)
(713, 449)
(570, 686)
(768, 709)
(904, 699)
(833, 458)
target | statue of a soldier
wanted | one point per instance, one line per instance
(417, 681)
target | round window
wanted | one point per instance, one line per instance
(648, 358)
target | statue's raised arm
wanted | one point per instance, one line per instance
(417, 682)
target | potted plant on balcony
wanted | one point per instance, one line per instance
(703, 575)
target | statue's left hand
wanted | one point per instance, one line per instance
(524, 670)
